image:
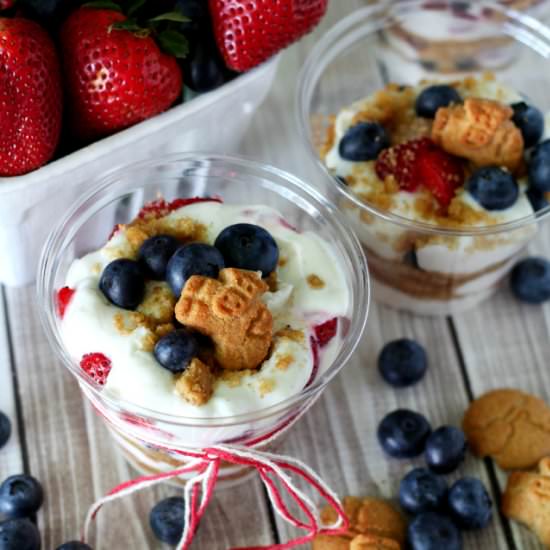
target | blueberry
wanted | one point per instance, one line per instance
(435, 97)
(469, 503)
(403, 433)
(74, 545)
(539, 167)
(530, 280)
(248, 246)
(122, 282)
(175, 350)
(192, 259)
(421, 491)
(530, 121)
(402, 362)
(5, 429)
(537, 199)
(364, 141)
(155, 253)
(445, 449)
(167, 519)
(19, 534)
(493, 188)
(20, 496)
(432, 531)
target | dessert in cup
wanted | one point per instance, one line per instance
(443, 179)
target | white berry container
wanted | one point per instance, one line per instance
(30, 205)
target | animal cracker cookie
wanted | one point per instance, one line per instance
(480, 130)
(230, 312)
(510, 426)
(374, 525)
(527, 499)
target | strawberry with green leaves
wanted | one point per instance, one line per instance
(30, 97)
(250, 31)
(116, 73)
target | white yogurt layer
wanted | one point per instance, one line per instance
(89, 322)
(448, 255)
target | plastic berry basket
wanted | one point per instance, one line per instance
(31, 204)
(353, 60)
(144, 434)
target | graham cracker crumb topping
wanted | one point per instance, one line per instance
(284, 361)
(314, 281)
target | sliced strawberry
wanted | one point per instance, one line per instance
(441, 173)
(326, 331)
(315, 353)
(160, 207)
(97, 366)
(64, 296)
(401, 162)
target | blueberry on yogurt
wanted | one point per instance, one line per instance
(123, 284)
(364, 141)
(539, 167)
(530, 122)
(175, 350)
(433, 98)
(493, 188)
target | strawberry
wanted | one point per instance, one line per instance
(114, 77)
(250, 31)
(326, 331)
(401, 161)
(160, 207)
(97, 366)
(64, 296)
(441, 173)
(30, 97)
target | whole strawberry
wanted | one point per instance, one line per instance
(251, 31)
(114, 77)
(30, 97)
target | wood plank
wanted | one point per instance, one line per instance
(11, 457)
(506, 344)
(71, 453)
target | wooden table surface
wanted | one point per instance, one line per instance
(59, 440)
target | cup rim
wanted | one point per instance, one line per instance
(56, 242)
(327, 49)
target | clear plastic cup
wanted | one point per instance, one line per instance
(420, 267)
(150, 439)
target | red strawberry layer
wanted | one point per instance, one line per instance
(160, 207)
(64, 296)
(326, 331)
(97, 366)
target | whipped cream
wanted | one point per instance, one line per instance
(89, 322)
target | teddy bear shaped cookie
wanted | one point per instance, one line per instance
(527, 499)
(230, 312)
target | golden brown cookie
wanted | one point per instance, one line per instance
(527, 499)
(377, 521)
(480, 130)
(196, 383)
(510, 426)
(230, 312)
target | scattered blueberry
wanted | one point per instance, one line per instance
(537, 199)
(403, 433)
(433, 98)
(530, 121)
(421, 491)
(5, 429)
(248, 246)
(192, 259)
(469, 503)
(432, 531)
(20, 496)
(402, 362)
(530, 280)
(155, 253)
(122, 282)
(364, 141)
(493, 188)
(445, 449)
(19, 534)
(175, 350)
(539, 167)
(167, 519)
(74, 545)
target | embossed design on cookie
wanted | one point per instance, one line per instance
(510, 426)
(230, 312)
(527, 499)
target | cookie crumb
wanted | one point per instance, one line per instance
(291, 334)
(284, 361)
(314, 281)
(158, 303)
(196, 383)
(282, 261)
(266, 386)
